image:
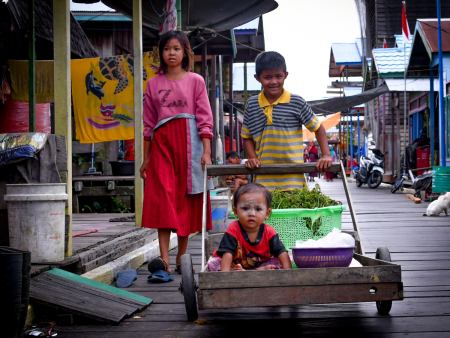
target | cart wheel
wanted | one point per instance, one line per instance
(383, 306)
(188, 287)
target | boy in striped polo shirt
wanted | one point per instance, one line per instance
(272, 128)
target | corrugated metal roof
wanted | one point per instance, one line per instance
(346, 54)
(238, 78)
(391, 60)
(399, 42)
(350, 91)
(358, 44)
(412, 85)
(96, 7)
(253, 25)
(429, 30)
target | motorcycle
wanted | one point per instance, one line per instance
(370, 169)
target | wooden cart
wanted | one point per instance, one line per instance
(378, 280)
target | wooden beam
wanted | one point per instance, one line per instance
(268, 169)
(138, 109)
(230, 98)
(31, 68)
(63, 108)
(212, 97)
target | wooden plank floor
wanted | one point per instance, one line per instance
(82, 243)
(420, 244)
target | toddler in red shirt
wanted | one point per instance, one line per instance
(249, 243)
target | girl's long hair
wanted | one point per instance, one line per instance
(182, 38)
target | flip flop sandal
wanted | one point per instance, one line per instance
(178, 269)
(160, 276)
(125, 278)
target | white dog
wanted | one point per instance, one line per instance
(441, 204)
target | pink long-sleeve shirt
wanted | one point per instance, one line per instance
(166, 98)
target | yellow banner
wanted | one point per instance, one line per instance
(102, 92)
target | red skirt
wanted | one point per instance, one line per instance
(166, 202)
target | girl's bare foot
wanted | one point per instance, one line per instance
(267, 267)
(167, 260)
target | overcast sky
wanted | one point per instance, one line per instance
(302, 31)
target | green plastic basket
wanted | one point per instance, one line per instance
(291, 224)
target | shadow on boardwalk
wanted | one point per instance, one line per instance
(421, 245)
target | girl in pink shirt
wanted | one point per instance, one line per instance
(178, 131)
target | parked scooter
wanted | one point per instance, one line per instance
(371, 169)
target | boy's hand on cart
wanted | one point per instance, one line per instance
(252, 163)
(324, 163)
(143, 170)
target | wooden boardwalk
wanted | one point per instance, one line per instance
(420, 244)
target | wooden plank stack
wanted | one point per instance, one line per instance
(85, 298)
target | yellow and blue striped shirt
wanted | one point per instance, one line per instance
(276, 130)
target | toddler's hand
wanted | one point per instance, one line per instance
(252, 163)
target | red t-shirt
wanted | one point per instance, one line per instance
(250, 254)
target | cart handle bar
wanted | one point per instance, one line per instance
(268, 169)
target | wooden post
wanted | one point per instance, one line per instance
(230, 99)
(378, 123)
(431, 127)
(62, 76)
(392, 155)
(399, 137)
(340, 138)
(31, 68)
(221, 113)
(204, 61)
(245, 85)
(212, 95)
(138, 108)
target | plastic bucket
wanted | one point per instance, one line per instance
(441, 179)
(36, 217)
(219, 212)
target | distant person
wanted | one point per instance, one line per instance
(273, 124)
(355, 163)
(344, 159)
(233, 158)
(330, 175)
(313, 157)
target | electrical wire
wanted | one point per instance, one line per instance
(242, 44)
(82, 22)
(214, 35)
(159, 15)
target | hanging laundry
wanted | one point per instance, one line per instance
(103, 101)
(44, 80)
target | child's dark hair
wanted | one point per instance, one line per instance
(252, 188)
(182, 38)
(232, 154)
(269, 61)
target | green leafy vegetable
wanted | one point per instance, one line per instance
(303, 199)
